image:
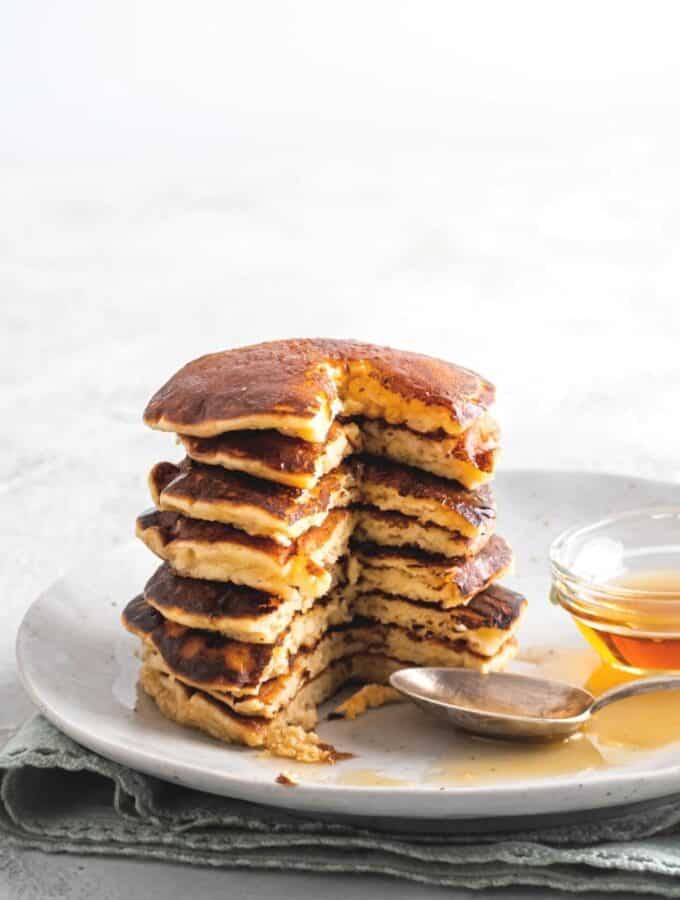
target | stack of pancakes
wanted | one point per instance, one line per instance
(331, 521)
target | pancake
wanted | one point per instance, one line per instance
(413, 648)
(237, 611)
(283, 513)
(275, 456)
(469, 458)
(251, 616)
(376, 667)
(392, 529)
(409, 572)
(340, 643)
(428, 498)
(298, 387)
(199, 709)
(274, 695)
(210, 660)
(255, 506)
(347, 641)
(218, 552)
(485, 623)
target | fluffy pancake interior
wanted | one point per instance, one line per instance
(376, 526)
(364, 393)
(427, 497)
(411, 573)
(469, 458)
(485, 623)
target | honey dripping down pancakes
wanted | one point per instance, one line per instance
(331, 521)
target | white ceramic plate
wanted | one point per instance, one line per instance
(79, 666)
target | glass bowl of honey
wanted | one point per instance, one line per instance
(620, 580)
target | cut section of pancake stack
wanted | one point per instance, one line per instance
(331, 521)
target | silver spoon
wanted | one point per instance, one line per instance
(506, 705)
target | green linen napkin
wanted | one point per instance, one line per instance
(59, 797)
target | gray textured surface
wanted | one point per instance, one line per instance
(174, 184)
(34, 876)
(57, 796)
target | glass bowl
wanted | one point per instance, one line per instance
(620, 580)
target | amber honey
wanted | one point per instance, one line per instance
(620, 580)
(633, 622)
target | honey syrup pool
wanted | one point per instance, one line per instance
(639, 630)
(617, 735)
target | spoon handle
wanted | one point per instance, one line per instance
(631, 688)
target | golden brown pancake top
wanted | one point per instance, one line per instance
(301, 378)
(475, 507)
(207, 657)
(140, 618)
(197, 482)
(172, 526)
(496, 607)
(213, 599)
(211, 659)
(271, 448)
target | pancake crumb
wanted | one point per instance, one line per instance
(370, 696)
(285, 780)
(293, 742)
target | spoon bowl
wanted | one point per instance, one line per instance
(506, 705)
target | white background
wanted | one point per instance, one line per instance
(495, 183)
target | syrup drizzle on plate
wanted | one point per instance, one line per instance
(613, 736)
